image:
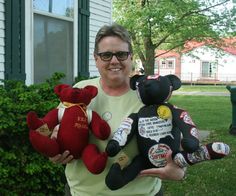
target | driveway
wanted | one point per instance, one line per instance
(202, 93)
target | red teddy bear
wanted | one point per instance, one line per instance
(74, 120)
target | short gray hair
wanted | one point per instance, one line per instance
(113, 30)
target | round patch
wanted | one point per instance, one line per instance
(220, 148)
(107, 116)
(163, 112)
(157, 154)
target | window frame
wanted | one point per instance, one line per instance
(208, 75)
(164, 63)
(29, 42)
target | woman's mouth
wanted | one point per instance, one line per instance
(114, 69)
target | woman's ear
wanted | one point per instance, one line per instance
(95, 56)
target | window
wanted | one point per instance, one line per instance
(163, 64)
(53, 35)
(170, 64)
(61, 7)
(167, 64)
(209, 69)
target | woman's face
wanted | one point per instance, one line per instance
(113, 71)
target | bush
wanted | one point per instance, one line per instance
(23, 171)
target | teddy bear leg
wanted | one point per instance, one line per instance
(94, 160)
(117, 177)
(33, 121)
(211, 151)
(43, 144)
(51, 119)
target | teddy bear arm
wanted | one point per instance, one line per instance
(183, 121)
(123, 134)
(133, 126)
(99, 127)
(113, 148)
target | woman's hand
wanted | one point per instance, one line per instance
(63, 158)
(170, 172)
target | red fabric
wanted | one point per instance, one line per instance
(93, 159)
(73, 133)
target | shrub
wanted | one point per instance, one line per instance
(23, 171)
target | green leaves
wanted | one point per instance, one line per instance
(169, 24)
(22, 170)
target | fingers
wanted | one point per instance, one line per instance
(164, 173)
(154, 172)
(63, 158)
(170, 172)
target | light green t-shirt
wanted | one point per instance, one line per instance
(113, 109)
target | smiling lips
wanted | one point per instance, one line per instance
(115, 69)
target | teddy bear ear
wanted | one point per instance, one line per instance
(175, 81)
(92, 89)
(133, 81)
(59, 88)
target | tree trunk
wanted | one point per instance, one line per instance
(149, 61)
(149, 66)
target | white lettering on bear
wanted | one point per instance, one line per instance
(155, 128)
(123, 131)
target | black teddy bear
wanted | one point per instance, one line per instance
(159, 127)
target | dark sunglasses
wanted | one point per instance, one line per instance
(107, 56)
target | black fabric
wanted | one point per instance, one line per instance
(160, 193)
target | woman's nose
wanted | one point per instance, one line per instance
(114, 59)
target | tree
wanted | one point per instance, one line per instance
(168, 24)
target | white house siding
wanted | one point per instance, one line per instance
(2, 39)
(100, 14)
(191, 64)
(227, 68)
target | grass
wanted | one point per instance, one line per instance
(212, 178)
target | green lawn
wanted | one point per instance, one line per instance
(212, 178)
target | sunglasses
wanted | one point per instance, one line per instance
(107, 56)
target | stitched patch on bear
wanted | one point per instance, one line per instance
(44, 130)
(220, 148)
(157, 154)
(122, 159)
(123, 131)
(163, 112)
(155, 128)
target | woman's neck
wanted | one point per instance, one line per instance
(114, 88)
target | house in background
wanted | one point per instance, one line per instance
(200, 62)
(40, 37)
